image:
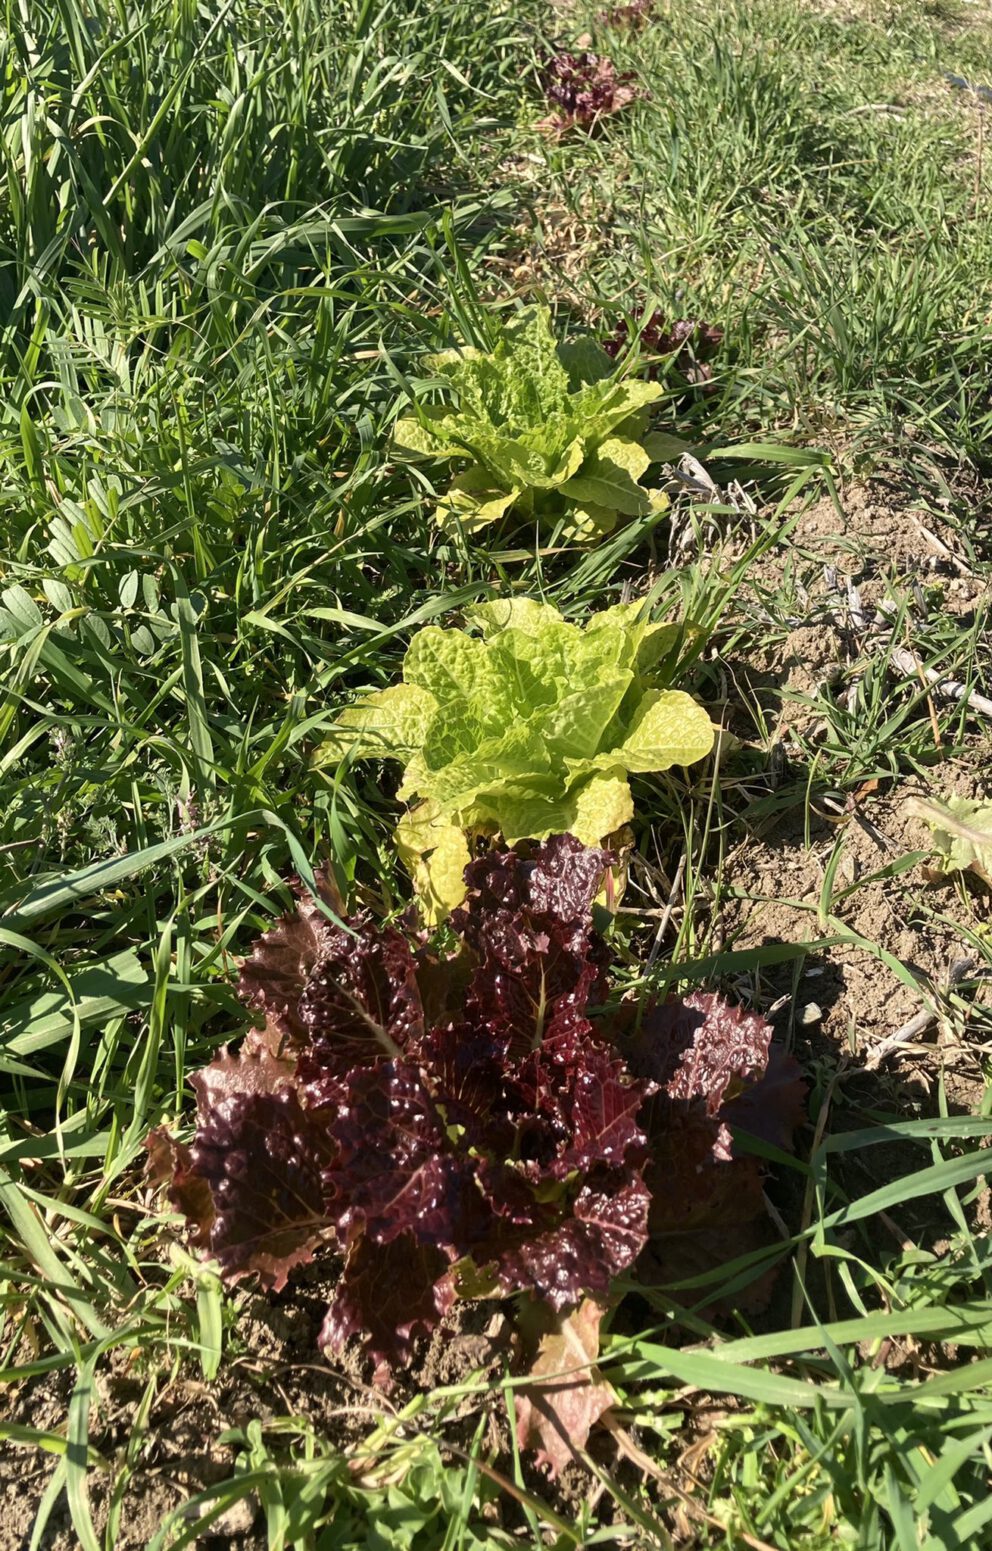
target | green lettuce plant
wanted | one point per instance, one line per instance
(526, 729)
(547, 430)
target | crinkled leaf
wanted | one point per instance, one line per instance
(252, 1070)
(529, 923)
(472, 501)
(565, 1396)
(392, 723)
(699, 1047)
(509, 1146)
(537, 722)
(274, 973)
(962, 833)
(559, 878)
(360, 1004)
(600, 806)
(585, 361)
(605, 411)
(512, 760)
(668, 728)
(259, 1157)
(525, 614)
(527, 463)
(609, 479)
(601, 1236)
(169, 1164)
(394, 1171)
(423, 437)
(586, 522)
(388, 1295)
(716, 1071)
(450, 666)
(602, 1109)
(574, 727)
(584, 89)
(532, 816)
(435, 854)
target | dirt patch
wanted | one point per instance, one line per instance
(816, 608)
(274, 1370)
(871, 581)
(852, 995)
(882, 529)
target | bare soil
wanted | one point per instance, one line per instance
(272, 1370)
(838, 565)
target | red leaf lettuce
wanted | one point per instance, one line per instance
(495, 1139)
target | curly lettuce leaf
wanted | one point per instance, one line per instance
(393, 722)
(251, 1184)
(545, 428)
(528, 921)
(388, 1295)
(716, 1072)
(528, 729)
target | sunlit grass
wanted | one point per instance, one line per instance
(226, 238)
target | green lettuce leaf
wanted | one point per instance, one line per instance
(545, 428)
(962, 833)
(528, 728)
(473, 501)
(609, 479)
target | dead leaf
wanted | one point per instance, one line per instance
(556, 1413)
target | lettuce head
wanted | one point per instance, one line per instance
(545, 430)
(522, 726)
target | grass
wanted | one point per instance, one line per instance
(226, 238)
(804, 176)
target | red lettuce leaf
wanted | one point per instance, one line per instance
(361, 1003)
(528, 920)
(582, 1096)
(260, 1156)
(169, 1164)
(388, 1295)
(334, 996)
(715, 1071)
(396, 1169)
(634, 15)
(699, 1049)
(600, 1234)
(274, 974)
(692, 342)
(584, 89)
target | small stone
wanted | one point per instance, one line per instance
(810, 1014)
(236, 1520)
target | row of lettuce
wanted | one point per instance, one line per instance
(462, 1104)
